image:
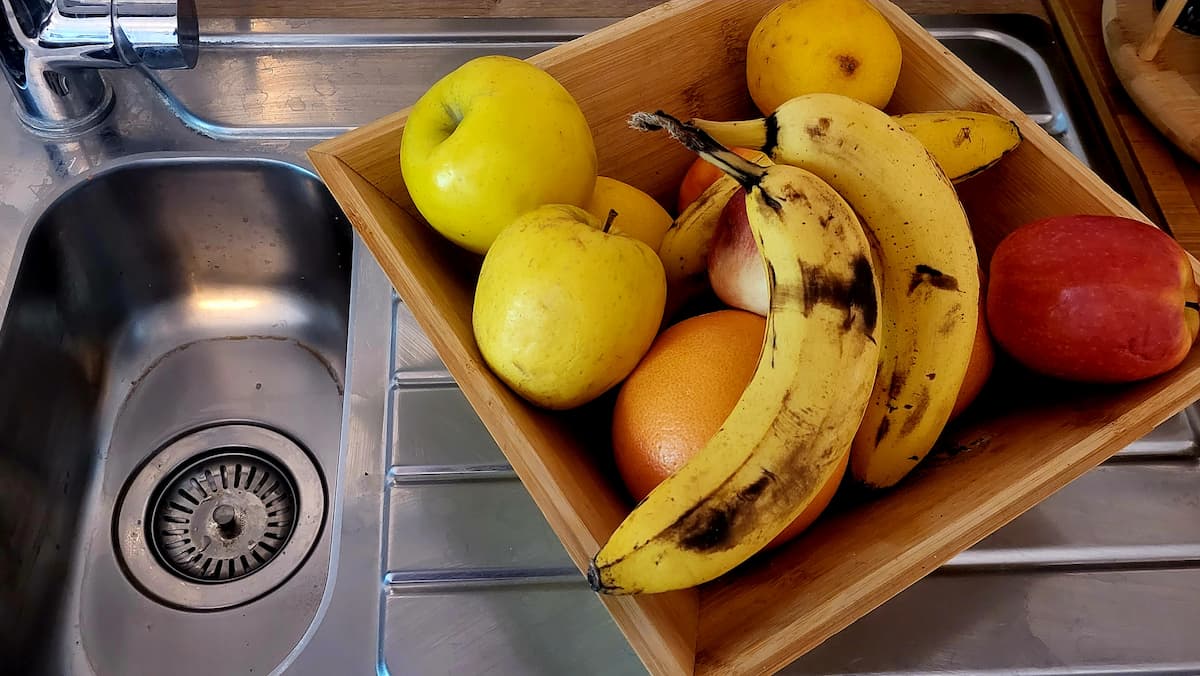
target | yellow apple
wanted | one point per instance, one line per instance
(491, 140)
(638, 214)
(564, 310)
(837, 46)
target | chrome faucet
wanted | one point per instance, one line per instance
(52, 50)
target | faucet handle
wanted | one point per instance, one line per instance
(160, 34)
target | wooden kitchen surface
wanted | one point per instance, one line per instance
(1166, 180)
(1165, 183)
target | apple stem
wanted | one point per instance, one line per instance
(695, 139)
(612, 216)
(1192, 304)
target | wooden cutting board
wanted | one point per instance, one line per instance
(1166, 88)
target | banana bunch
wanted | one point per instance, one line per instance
(963, 143)
(926, 255)
(873, 282)
(795, 421)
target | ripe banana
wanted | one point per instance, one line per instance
(795, 420)
(927, 257)
(965, 143)
(684, 247)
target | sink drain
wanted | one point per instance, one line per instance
(220, 517)
(224, 517)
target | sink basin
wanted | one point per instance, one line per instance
(174, 357)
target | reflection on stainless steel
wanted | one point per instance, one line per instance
(52, 48)
(140, 306)
(431, 44)
(157, 298)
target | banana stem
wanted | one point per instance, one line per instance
(695, 139)
(742, 133)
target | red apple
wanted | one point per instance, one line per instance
(735, 267)
(1093, 298)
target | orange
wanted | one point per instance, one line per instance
(703, 174)
(983, 359)
(680, 394)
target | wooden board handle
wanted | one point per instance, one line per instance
(1162, 25)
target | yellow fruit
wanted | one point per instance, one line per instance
(833, 46)
(965, 143)
(563, 311)
(638, 214)
(491, 140)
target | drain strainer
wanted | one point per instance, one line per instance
(220, 517)
(224, 517)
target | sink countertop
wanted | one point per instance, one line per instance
(442, 562)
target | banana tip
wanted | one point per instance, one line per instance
(593, 578)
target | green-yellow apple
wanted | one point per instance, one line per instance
(491, 140)
(564, 310)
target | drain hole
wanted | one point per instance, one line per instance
(214, 525)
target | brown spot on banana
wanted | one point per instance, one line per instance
(951, 321)
(883, 429)
(710, 527)
(820, 129)
(713, 525)
(917, 411)
(962, 136)
(855, 295)
(925, 274)
(896, 385)
(791, 194)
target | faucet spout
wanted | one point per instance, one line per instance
(52, 51)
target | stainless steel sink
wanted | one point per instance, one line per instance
(184, 304)
(171, 321)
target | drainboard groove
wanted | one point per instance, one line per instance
(454, 580)
(421, 380)
(409, 475)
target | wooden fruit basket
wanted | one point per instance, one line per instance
(1021, 441)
